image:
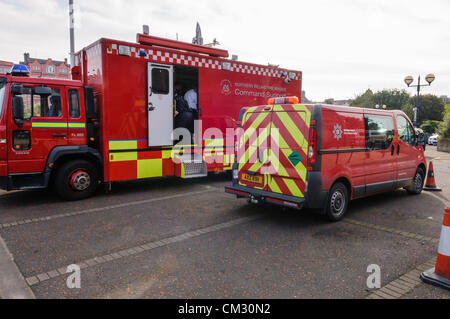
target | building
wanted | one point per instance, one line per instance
(5, 66)
(445, 98)
(49, 68)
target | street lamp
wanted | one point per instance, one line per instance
(409, 80)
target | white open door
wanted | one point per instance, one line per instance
(160, 104)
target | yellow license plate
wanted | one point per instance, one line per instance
(252, 179)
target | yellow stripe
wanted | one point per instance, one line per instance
(77, 125)
(149, 168)
(292, 128)
(48, 125)
(295, 191)
(122, 157)
(123, 145)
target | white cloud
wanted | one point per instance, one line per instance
(343, 47)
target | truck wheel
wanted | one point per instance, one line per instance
(417, 184)
(337, 203)
(76, 180)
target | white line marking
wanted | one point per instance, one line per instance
(12, 283)
(34, 280)
(101, 209)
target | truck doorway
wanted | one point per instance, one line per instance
(185, 80)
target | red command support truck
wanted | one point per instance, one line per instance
(322, 156)
(114, 120)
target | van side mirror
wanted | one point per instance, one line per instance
(18, 110)
(421, 139)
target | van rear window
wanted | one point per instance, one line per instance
(379, 131)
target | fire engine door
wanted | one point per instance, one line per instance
(160, 104)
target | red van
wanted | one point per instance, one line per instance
(323, 156)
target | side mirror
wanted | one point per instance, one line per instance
(18, 110)
(421, 139)
(42, 90)
(16, 89)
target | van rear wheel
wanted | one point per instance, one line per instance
(337, 203)
(76, 180)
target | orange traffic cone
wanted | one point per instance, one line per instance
(440, 275)
(431, 183)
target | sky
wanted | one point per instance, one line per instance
(342, 47)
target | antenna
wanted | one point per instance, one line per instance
(72, 34)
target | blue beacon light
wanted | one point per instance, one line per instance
(20, 70)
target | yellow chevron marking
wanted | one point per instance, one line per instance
(290, 126)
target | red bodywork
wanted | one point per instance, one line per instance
(120, 87)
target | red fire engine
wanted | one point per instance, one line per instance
(114, 121)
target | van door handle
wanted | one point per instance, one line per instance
(151, 107)
(398, 149)
(392, 150)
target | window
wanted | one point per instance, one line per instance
(379, 131)
(2, 93)
(405, 130)
(62, 70)
(36, 68)
(50, 69)
(160, 81)
(36, 105)
(74, 104)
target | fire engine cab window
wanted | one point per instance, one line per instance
(379, 132)
(160, 81)
(74, 105)
(36, 105)
(405, 130)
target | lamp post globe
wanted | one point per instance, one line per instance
(408, 80)
(430, 78)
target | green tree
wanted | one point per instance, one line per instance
(329, 101)
(431, 108)
(446, 110)
(444, 128)
(430, 126)
(364, 100)
(393, 99)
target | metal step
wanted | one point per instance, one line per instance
(194, 166)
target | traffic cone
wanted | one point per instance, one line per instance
(430, 185)
(440, 275)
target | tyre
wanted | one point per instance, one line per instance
(76, 180)
(418, 181)
(337, 203)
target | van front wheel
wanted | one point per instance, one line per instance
(417, 183)
(337, 203)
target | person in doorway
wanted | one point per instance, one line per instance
(191, 98)
(183, 114)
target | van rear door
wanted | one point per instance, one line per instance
(289, 148)
(254, 148)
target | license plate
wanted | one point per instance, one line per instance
(252, 179)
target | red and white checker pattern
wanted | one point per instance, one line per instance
(199, 62)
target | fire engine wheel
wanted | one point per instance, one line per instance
(337, 203)
(76, 180)
(417, 184)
